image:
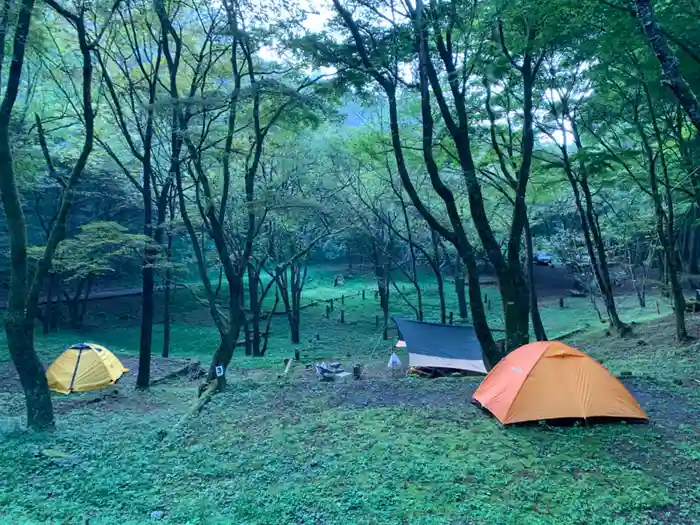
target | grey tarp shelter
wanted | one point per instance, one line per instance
(434, 345)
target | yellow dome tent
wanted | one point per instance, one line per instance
(84, 367)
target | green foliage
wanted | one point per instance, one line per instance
(94, 250)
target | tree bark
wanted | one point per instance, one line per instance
(23, 301)
(460, 290)
(83, 304)
(693, 244)
(168, 277)
(56, 315)
(457, 236)
(592, 233)
(255, 307)
(670, 65)
(664, 218)
(537, 325)
(48, 307)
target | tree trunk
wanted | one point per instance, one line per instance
(73, 304)
(294, 329)
(664, 218)
(438, 276)
(516, 299)
(537, 325)
(255, 307)
(678, 302)
(263, 349)
(20, 342)
(56, 315)
(248, 338)
(441, 296)
(168, 278)
(86, 298)
(147, 308)
(19, 326)
(591, 230)
(693, 247)
(166, 312)
(670, 65)
(460, 289)
(297, 282)
(48, 307)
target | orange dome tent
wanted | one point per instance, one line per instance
(550, 380)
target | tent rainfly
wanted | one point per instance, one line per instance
(434, 345)
(84, 367)
(549, 380)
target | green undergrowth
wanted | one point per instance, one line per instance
(272, 452)
(290, 450)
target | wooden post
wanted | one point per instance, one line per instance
(342, 316)
(331, 305)
(376, 321)
(486, 298)
(452, 317)
(488, 305)
(658, 309)
(297, 355)
(363, 295)
(328, 311)
(342, 299)
(561, 302)
(318, 336)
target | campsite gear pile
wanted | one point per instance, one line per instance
(84, 367)
(329, 372)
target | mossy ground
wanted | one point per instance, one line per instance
(382, 450)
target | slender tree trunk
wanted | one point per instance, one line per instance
(255, 307)
(664, 218)
(438, 276)
(248, 338)
(19, 327)
(48, 307)
(166, 313)
(460, 289)
(678, 303)
(295, 319)
(147, 309)
(263, 349)
(591, 230)
(83, 305)
(74, 304)
(693, 245)
(168, 277)
(670, 65)
(56, 315)
(537, 325)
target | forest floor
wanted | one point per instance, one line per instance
(278, 449)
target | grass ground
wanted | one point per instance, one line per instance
(287, 449)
